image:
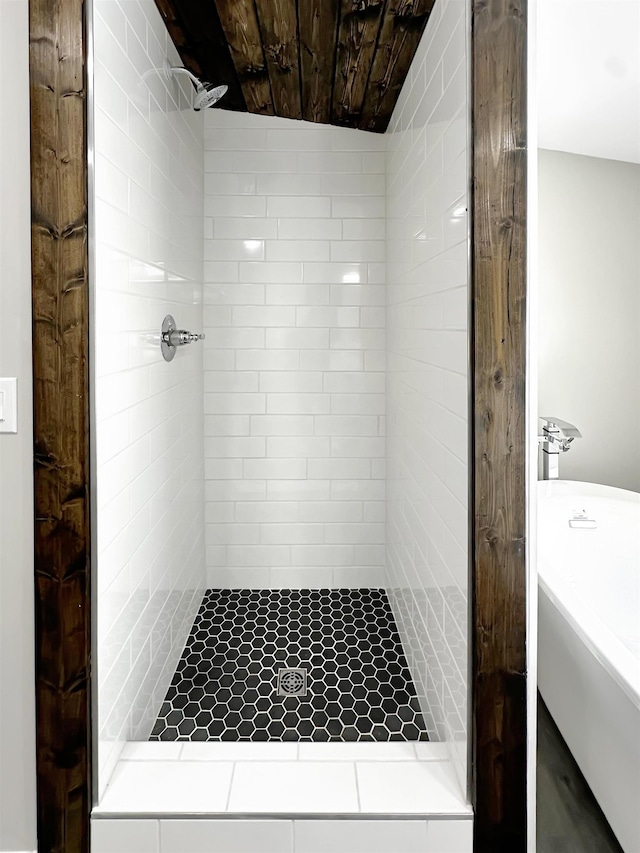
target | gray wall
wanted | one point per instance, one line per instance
(17, 747)
(589, 312)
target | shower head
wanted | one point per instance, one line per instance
(207, 94)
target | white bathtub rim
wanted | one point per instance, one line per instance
(585, 488)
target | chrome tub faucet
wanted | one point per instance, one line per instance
(556, 438)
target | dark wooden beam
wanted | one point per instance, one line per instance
(171, 18)
(318, 23)
(402, 27)
(242, 31)
(197, 33)
(60, 375)
(499, 289)
(278, 21)
(360, 22)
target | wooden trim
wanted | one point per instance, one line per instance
(499, 289)
(61, 381)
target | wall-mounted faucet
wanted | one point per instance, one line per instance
(556, 438)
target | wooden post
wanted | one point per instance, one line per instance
(499, 282)
(61, 381)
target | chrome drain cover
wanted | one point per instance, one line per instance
(292, 681)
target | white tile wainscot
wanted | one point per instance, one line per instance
(283, 797)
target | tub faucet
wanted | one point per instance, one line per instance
(556, 438)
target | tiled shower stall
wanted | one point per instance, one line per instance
(316, 440)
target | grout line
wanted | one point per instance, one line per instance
(158, 835)
(233, 771)
(355, 770)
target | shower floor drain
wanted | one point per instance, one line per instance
(292, 681)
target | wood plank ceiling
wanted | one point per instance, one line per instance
(339, 62)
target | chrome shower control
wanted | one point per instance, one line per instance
(171, 338)
(180, 337)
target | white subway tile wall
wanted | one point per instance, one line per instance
(294, 365)
(427, 383)
(149, 181)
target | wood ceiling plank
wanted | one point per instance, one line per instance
(202, 44)
(240, 25)
(171, 20)
(318, 23)
(278, 21)
(402, 27)
(360, 22)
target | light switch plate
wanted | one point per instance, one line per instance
(8, 405)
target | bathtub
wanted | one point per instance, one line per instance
(589, 638)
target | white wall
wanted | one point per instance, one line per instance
(427, 383)
(294, 372)
(589, 306)
(148, 221)
(17, 678)
(588, 77)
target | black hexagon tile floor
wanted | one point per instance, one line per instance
(346, 675)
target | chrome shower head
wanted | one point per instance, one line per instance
(207, 94)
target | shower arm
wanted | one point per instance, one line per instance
(177, 69)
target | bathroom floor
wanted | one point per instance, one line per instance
(568, 816)
(250, 653)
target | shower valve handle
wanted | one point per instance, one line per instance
(171, 338)
(180, 337)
